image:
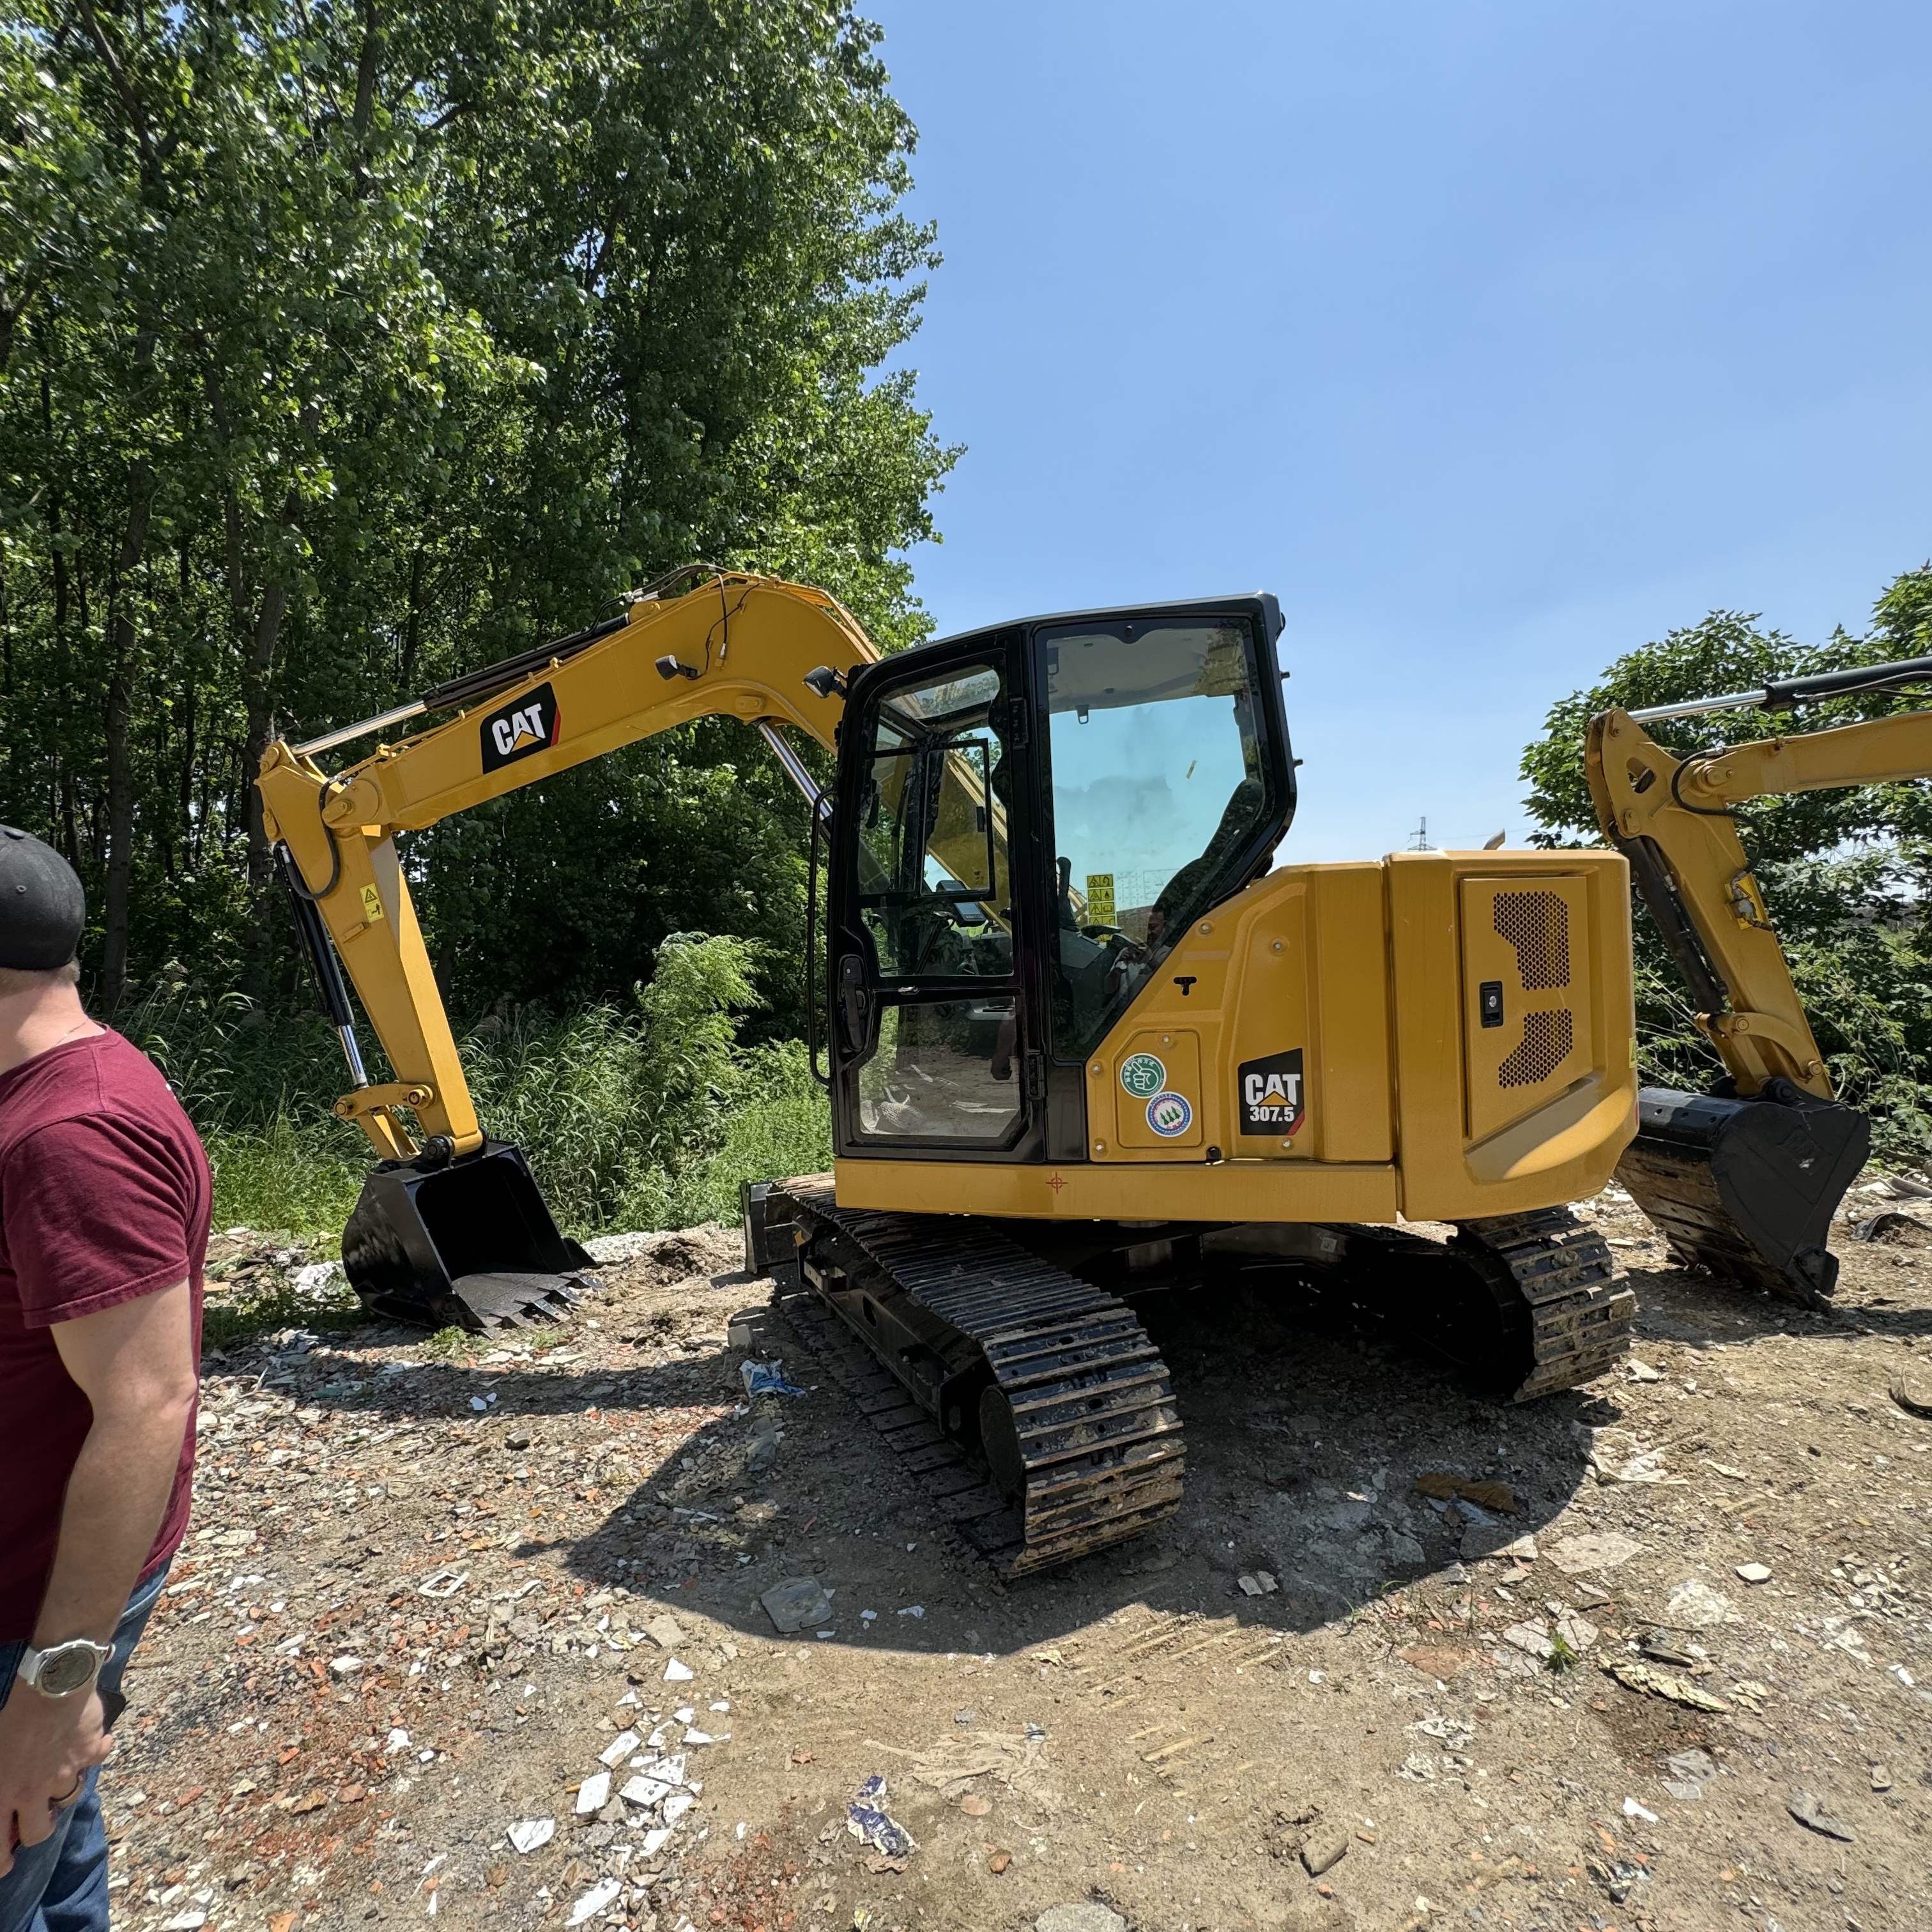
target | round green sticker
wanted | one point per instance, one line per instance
(1142, 1075)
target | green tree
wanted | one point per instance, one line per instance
(1845, 873)
(344, 346)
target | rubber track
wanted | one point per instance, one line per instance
(1099, 1436)
(1580, 1317)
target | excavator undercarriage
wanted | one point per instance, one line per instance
(1007, 1365)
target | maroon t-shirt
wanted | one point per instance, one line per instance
(104, 1196)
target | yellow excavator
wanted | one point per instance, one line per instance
(1081, 1036)
(1743, 1181)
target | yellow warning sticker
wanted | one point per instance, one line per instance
(1100, 898)
(372, 905)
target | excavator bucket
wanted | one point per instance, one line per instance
(1747, 1188)
(469, 1243)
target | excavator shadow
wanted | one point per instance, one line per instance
(1306, 1434)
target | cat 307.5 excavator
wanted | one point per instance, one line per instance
(1081, 1038)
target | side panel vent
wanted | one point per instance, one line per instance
(1531, 937)
(1545, 1045)
(1537, 925)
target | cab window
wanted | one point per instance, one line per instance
(1160, 782)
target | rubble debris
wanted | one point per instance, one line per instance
(1637, 1676)
(1904, 1231)
(677, 1673)
(1483, 1545)
(1805, 1806)
(596, 1899)
(766, 1379)
(797, 1603)
(1575, 1630)
(593, 1794)
(1693, 1605)
(531, 1834)
(1257, 1583)
(1690, 1771)
(1754, 1572)
(1660, 1649)
(1083, 1918)
(665, 1632)
(1534, 1638)
(866, 1820)
(1641, 1372)
(1912, 1393)
(1325, 1847)
(1579, 1555)
(1485, 1494)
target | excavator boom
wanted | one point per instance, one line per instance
(451, 1228)
(1743, 1181)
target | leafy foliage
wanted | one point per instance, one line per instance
(646, 1114)
(1845, 873)
(344, 347)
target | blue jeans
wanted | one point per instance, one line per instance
(61, 1884)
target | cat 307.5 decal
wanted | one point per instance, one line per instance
(1273, 1097)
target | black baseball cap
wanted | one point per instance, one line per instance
(42, 909)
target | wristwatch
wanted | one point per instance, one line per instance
(63, 1669)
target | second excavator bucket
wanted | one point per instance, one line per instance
(468, 1243)
(1747, 1188)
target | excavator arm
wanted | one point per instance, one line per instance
(772, 653)
(736, 646)
(1743, 1181)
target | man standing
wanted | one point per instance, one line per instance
(104, 1203)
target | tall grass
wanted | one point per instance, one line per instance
(646, 1115)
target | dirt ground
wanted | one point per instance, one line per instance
(412, 1611)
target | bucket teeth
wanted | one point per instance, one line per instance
(518, 1300)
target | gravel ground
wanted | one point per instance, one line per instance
(424, 1605)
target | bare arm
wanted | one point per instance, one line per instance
(135, 1363)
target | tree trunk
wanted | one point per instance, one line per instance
(121, 633)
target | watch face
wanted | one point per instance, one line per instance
(63, 1670)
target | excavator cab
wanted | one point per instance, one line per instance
(1027, 820)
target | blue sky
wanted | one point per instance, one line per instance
(1494, 338)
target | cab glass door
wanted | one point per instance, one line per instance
(927, 999)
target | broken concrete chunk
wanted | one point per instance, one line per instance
(1690, 1771)
(665, 1632)
(1533, 1638)
(531, 1834)
(1443, 1487)
(1754, 1572)
(1803, 1806)
(593, 1794)
(1575, 1555)
(1083, 1918)
(1326, 1845)
(1695, 1606)
(1656, 1683)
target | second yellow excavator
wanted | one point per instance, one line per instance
(1081, 1034)
(1743, 1181)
